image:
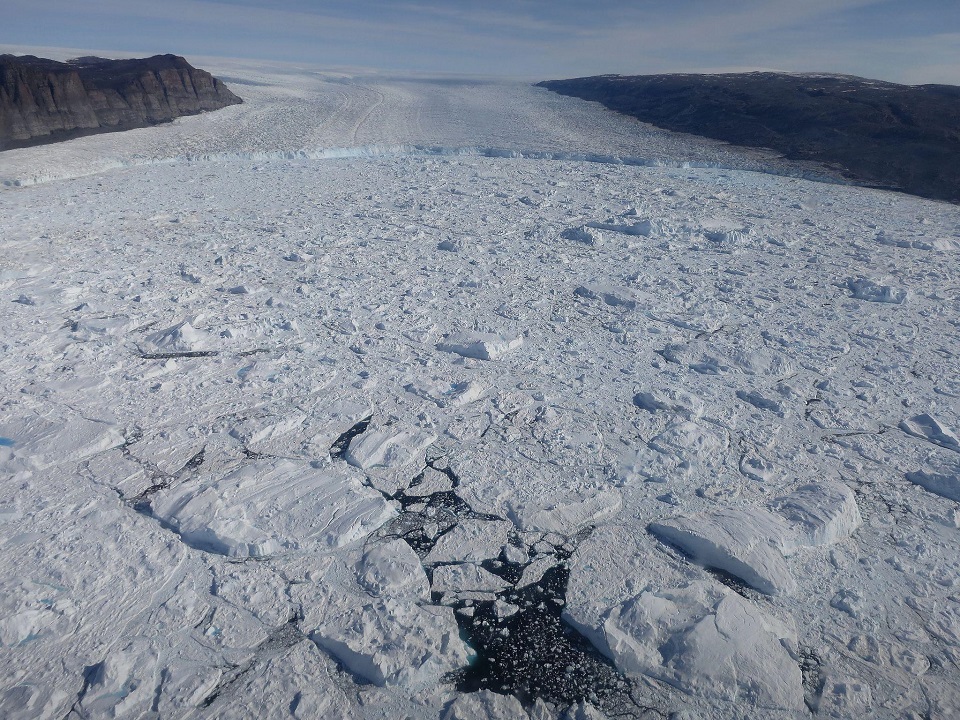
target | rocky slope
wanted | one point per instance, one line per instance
(45, 101)
(877, 133)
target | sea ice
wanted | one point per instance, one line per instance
(199, 439)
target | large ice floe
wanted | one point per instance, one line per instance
(396, 397)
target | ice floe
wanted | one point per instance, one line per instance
(752, 544)
(391, 642)
(267, 507)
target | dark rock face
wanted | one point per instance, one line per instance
(881, 134)
(44, 101)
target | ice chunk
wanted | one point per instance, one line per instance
(727, 236)
(91, 328)
(610, 294)
(820, 513)
(432, 482)
(761, 402)
(534, 572)
(392, 446)
(751, 543)
(569, 513)
(689, 437)
(303, 678)
(124, 683)
(844, 697)
(253, 587)
(484, 704)
(613, 564)
(708, 642)
(40, 442)
(445, 394)
(471, 541)
(169, 449)
(395, 643)
(941, 477)
(670, 399)
(872, 291)
(504, 609)
(481, 346)
(272, 434)
(266, 507)
(583, 234)
(746, 543)
(463, 394)
(182, 337)
(927, 427)
(641, 229)
(682, 449)
(466, 578)
(392, 569)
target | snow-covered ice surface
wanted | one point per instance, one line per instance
(467, 419)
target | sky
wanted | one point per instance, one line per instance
(910, 41)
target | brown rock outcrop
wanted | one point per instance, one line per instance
(44, 101)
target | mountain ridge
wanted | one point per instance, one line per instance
(872, 132)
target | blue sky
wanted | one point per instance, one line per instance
(900, 40)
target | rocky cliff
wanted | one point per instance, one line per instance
(44, 101)
(876, 133)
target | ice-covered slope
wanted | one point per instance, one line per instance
(376, 436)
